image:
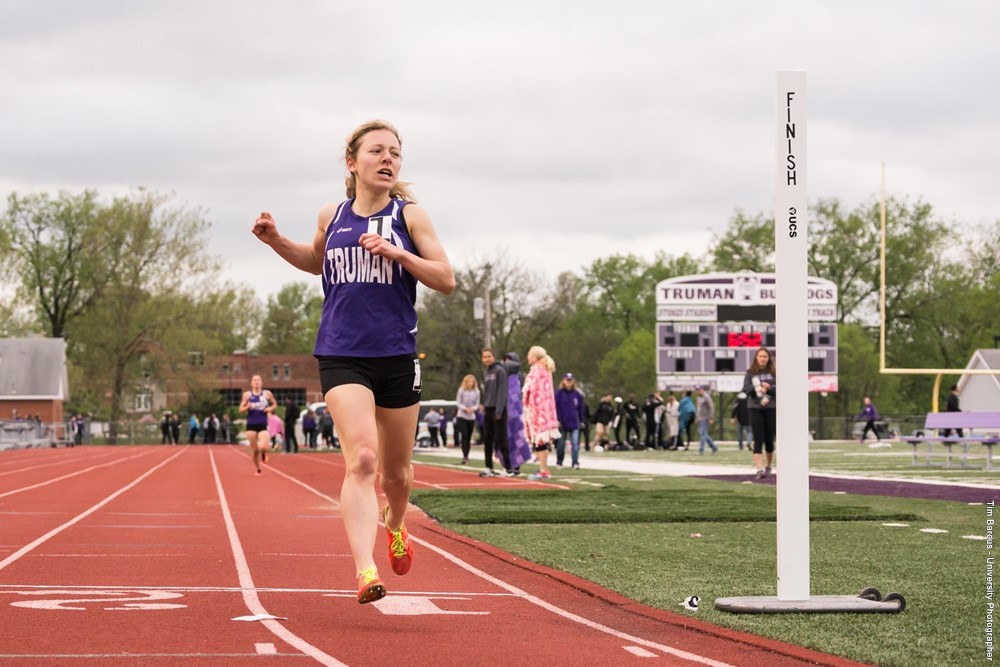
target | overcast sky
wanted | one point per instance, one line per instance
(558, 131)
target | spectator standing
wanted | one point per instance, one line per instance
(309, 428)
(758, 385)
(585, 423)
(869, 415)
(618, 421)
(165, 429)
(686, 413)
(953, 406)
(193, 429)
(74, 430)
(540, 409)
(225, 427)
(632, 434)
(494, 397)
(276, 429)
(291, 418)
(433, 421)
(518, 447)
(467, 404)
(326, 428)
(706, 416)
(740, 416)
(603, 415)
(175, 428)
(444, 426)
(211, 428)
(672, 412)
(571, 411)
(651, 411)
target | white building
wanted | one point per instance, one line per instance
(981, 393)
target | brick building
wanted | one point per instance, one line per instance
(294, 375)
(33, 380)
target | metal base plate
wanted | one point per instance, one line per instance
(815, 604)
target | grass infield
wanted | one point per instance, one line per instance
(658, 540)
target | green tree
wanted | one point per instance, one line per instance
(619, 289)
(292, 320)
(524, 310)
(615, 311)
(56, 247)
(154, 263)
(747, 244)
(844, 249)
(631, 366)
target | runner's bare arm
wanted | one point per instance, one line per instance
(431, 265)
(305, 256)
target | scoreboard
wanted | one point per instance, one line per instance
(710, 327)
(688, 347)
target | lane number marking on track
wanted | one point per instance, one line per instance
(416, 605)
(532, 599)
(125, 600)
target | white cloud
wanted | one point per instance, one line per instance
(563, 134)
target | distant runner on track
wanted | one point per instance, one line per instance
(258, 403)
(371, 250)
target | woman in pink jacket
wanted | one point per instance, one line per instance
(540, 408)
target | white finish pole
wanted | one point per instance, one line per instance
(791, 349)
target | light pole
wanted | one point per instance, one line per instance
(822, 415)
(487, 319)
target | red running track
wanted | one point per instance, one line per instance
(149, 555)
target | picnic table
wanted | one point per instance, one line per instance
(969, 422)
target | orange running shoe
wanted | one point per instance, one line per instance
(400, 549)
(370, 587)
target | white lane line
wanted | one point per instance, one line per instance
(250, 598)
(639, 652)
(52, 464)
(693, 657)
(548, 606)
(232, 589)
(266, 648)
(73, 474)
(439, 487)
(79, 517)
(154, 526)
(109, 555)
(155, 513)
(119, 656)
(330, 499)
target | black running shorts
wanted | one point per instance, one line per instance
(394, 381)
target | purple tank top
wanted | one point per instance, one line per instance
(368, 301)
(257, 405)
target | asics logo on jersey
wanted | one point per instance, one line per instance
(343, 229)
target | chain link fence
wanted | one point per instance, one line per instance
(32, 434)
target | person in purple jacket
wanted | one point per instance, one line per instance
(570, 410)
(869, 415)
(371, 250)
